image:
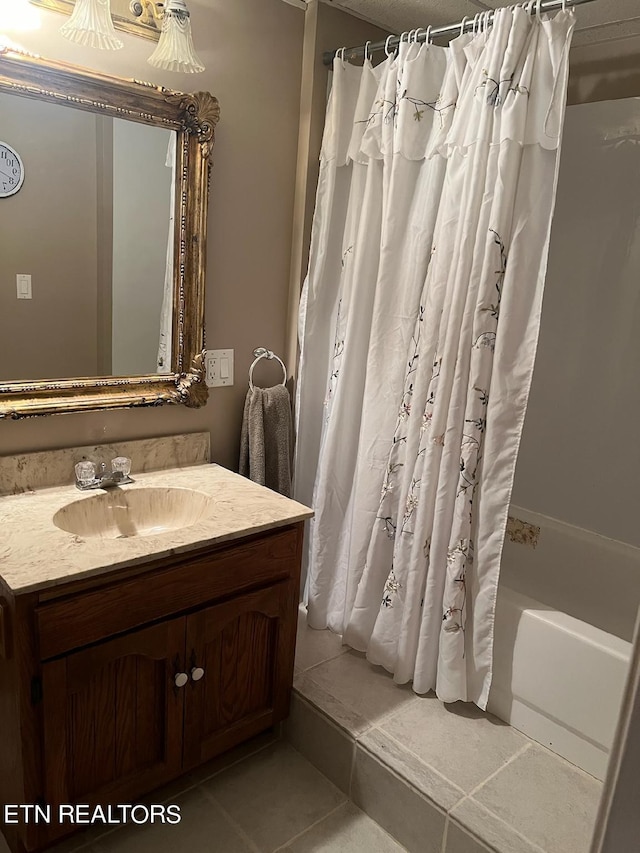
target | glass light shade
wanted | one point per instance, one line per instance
(175, 51)
(90, 24)
(18, 15)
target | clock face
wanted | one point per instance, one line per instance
(11, 171)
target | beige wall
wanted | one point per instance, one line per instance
(252, 50)
(326, 28)
(44, 236)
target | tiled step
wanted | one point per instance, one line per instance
(439, 779)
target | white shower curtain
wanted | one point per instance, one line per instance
(419, 323)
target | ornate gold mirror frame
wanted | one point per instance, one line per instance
(194, 117)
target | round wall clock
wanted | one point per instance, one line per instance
(11, 171)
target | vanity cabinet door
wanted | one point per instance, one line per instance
(113, 717)
(240, 662)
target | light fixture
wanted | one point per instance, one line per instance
(18, 15)
(175, 51)
(90, 24)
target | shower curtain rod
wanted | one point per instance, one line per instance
(437, 32)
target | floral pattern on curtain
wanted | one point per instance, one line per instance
(419, 325)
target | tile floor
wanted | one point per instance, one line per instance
(440, 779)
(261, 798)
(369, 767)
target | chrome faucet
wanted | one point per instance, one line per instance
(87, 477)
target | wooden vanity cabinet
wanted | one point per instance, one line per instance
(114, 685)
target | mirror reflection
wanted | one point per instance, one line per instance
(86, 243)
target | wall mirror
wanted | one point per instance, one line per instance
(103, 208)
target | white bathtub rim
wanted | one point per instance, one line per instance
(592, 635)
(562, 693)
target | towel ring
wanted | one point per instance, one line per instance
(261, 353)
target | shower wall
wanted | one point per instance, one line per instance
(580, 454)
(570, 586)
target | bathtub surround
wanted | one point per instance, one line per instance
(426, 233)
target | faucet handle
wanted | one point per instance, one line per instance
(85, 472)
(121, 465)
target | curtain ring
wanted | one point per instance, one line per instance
(367, 52)
(487, 20)
(476, 22)
(564, 5)
(538, 10)
(427, 37)
(463, 24)
(416, 38)
(386, 45)
(340, 53)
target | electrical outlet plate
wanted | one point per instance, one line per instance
(218, 367)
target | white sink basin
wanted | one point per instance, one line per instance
(119, 514)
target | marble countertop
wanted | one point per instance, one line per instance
(35, 554)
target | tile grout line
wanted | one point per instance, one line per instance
(213, 799)
(422, 761)
(443, 811)
(325, 660)
(377, 726)
(312, 825)
(509, 761)
(243, 835)
(389, 714)
(445, 833)
(327, 714)
(235, 763)
(371, 725)
(193, 784)
(535, 848)
(352, 771)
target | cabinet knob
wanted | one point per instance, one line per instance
(180, 679)
(197, 673)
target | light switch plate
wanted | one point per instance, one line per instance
(23, 286)
(218, 365)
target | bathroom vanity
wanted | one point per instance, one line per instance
(127, 660)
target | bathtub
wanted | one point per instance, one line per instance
(565, 616)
